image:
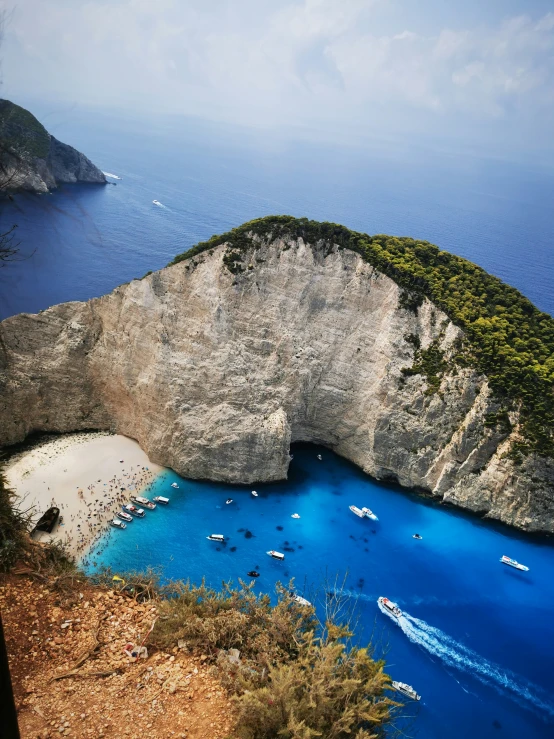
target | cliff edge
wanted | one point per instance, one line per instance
(217, 363)
(33, 160)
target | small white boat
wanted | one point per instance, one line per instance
(216, 537)
(512, 563)
(319, 457)
(160, 499)
(417, 536)
(124, 516)
(228, 501)
(174, 485)
(299, 599)
(390, 608)
(406, 690)
(133, 510)
(368, 513)
(254, 494)
(156, 202)
(295, 515)
(275, 555)
(357, 511)
(117, 524)
(143, 502)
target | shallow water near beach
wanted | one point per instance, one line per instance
(477, 640)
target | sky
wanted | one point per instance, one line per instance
(478, 70)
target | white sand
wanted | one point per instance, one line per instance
(82, 474)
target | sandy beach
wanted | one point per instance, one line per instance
(87, 476)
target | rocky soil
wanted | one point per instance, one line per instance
(83, 631)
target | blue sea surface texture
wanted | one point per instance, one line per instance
(477, 640)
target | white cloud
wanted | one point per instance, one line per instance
(289, 61)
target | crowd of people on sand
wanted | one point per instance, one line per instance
(102, 500)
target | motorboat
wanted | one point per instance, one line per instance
(254, 494)
(117, 524)
(133, 510)
(319, 457)
(368, 513)
(276, 555)
(48, 520)
(417, 536)
(156, 202)
(124, 516)
(216, 537)
(299, 599)
(357, 511)
(143, 502)
(295, 515)
(512, 563)
(253, 573)
(406, 690)
(160, 499)
(390, 608)
(174, 485)
(228, 501)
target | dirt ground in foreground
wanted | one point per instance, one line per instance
(85, 630)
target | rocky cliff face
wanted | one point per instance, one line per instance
(215, 374)
(33, 160)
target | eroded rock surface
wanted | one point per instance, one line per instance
(215, 374)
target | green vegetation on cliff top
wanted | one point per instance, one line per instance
(21, 132)
(508, 338)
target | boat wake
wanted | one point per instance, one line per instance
(112, 176)
(454, 654)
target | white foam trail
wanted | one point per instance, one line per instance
(455, 654)
(113, 176)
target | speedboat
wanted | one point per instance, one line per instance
(161, 499)
(417, 536)
(299, 599)
(143, 502)
(406, 690)
(228, 501)
(117, 524)
(133, 510)
(357, 511)
(295, 515)
(254, 494)
(216, 537)
(253, 573)
(512, 563)
(156, 202)
(319, 457)
(124, 516)
(390, 608)
(275, 555)
(368, 513)
(174, 485)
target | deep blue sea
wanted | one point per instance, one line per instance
(478, 641)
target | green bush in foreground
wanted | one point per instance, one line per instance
(13, 528)
(292, 676)
(508, 339)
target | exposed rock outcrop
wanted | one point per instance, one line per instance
(216, 373)
(33, 160)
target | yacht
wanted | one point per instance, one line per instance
(160, 499)
(133, 510)
(512, 563)
(117, 524)
(174, 485)
(124, 516)
(216, 537)
(295, 515)
(254, 494)
(143, 502)
(275, 555)
(368, 513)
(406, 690)
(390, 608)
(357, 511)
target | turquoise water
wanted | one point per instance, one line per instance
(478, 640)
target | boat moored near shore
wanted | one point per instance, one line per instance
(143, 502)
(117, 524)
(133, 510)
(124, 516)
(162, 500)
